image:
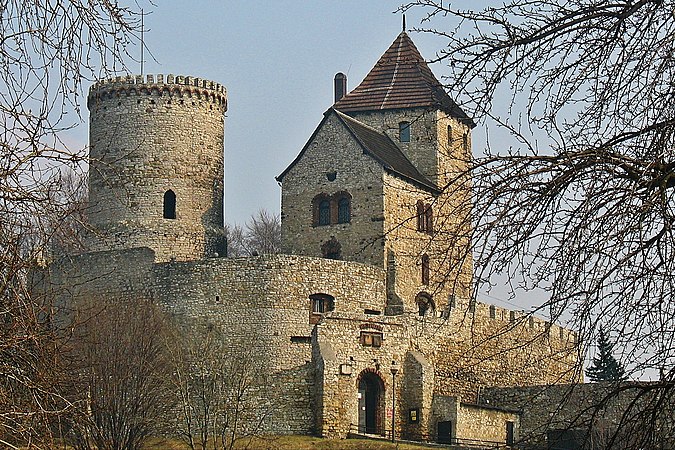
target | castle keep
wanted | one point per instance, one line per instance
(370, 304)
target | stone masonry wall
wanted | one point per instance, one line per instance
(484, 424)
(443, 160)
(148, 137)
(262, 302)
(596, 411)
(333, 149)
(489, 346)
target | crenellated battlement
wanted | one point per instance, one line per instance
(496, 314)
(158, 85)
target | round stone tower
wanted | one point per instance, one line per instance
(156, 165)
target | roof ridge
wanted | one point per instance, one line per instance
(401, 78)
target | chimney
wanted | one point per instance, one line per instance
(340, 86)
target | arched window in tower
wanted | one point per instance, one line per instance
(428, 219)
(449, 136)
(344, 209)
(425, 269)
(404, 131)
(321, 210)
(421, 219)
(331, 249)
(169, 205)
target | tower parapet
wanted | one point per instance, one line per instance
(156, 165)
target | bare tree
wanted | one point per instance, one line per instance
(235, 240)
(260, 236)
(47, 50)
(577, 197)
(219, 389)
(120, 369)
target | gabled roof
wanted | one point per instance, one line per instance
(400, 79)
(375, 144)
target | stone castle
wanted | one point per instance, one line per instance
(366, 318)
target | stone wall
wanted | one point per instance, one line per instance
(477, 424)
(262, 302)
(149, 136)
(592, 413)
(332, 149)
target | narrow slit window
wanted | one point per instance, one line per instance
(449, 136)
(421, 219)
(169, 205)
(425, 269)
(428, 219)
(404, 132)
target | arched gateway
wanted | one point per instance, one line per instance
(371, 402)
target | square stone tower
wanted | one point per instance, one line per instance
(383, 181)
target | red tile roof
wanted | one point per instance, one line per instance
(400, 79)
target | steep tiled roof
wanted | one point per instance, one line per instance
(375, 144)
(400, 79)
(384, 150)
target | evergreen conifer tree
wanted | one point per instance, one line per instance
(605, 367)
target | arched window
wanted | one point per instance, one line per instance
(425, 269)
(169, 205)
(324, 212)
(465, 143)
(421, 220)
(425, 304)
(425, 217)
(404, 132)
(319, 305)
(428, 219)
(449, 136)
(344, 210)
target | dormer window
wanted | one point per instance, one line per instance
(169, 204)
(404, 132)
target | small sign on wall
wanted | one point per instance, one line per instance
(345, 369)
(414, 415)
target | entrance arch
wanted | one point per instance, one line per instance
(371, 402)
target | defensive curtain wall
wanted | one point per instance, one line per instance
(588, 415)
(315, 362)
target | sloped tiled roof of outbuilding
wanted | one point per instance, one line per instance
(378, 146)
(400, 79)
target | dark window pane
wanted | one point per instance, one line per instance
(169, 205)
(344, 213)
(404, 131)
(324, 212)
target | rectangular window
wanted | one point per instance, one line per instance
(371, 339)
(404, 132)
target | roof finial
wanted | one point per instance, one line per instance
(404, 23)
